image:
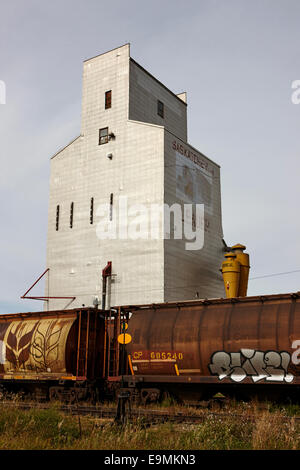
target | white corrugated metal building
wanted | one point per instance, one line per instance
(132, 150)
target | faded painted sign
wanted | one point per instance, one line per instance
(271, 366)
(193, 185)
(34, 345)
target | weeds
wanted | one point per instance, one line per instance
(242, 426)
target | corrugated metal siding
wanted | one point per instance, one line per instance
(144, 93)
(188, 272)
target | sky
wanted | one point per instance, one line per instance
(236, 60)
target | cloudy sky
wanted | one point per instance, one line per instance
(235, 58)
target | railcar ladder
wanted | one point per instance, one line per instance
(83, 343)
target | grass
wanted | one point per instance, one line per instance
(51, 429)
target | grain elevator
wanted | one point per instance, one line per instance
(114, 188)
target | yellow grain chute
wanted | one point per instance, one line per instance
(235, 270)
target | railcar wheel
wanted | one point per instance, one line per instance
(149, 395)
(53, 394)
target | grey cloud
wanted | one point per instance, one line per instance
(236, 59)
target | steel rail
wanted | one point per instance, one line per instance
(145, 416)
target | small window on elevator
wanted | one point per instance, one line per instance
(111, 206)
(92, 211)
(103, 135)
(108, 99)
(160, 108)
(57, 218)
(71, 214)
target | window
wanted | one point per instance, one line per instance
(111, 206)
(160, 108)
(71, 214)
(108, 99)
(92, 211)
(103, 136)
(57, 218)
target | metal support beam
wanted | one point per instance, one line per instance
(25, 296)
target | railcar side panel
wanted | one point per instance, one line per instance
(249, 340)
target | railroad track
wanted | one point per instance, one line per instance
(143, 416)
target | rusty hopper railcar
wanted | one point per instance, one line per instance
(59, 354)
(194, 349)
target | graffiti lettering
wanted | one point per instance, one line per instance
(271, 366)
(2, 352)
(296, 354)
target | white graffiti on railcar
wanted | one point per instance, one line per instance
(271, 366)
(2, 352)
(296, 354)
